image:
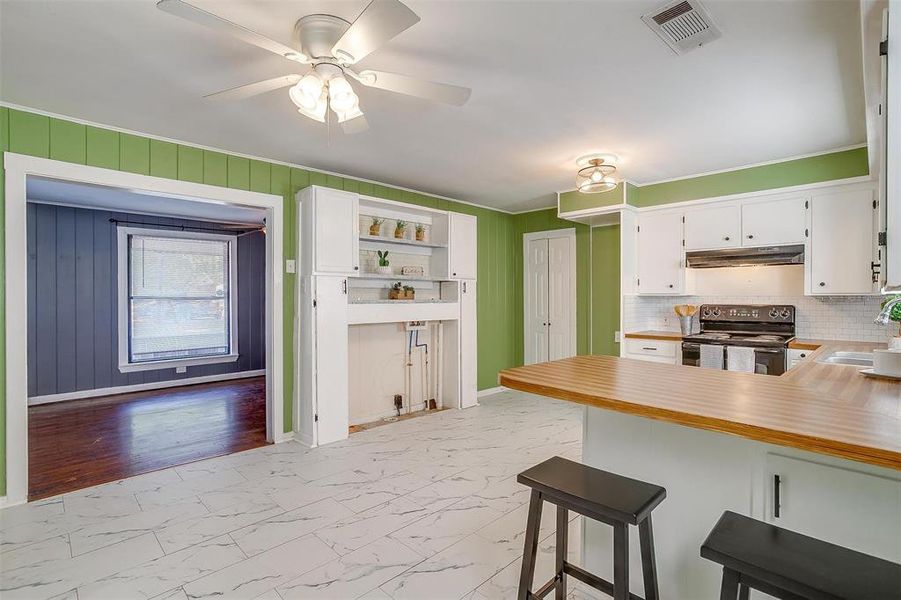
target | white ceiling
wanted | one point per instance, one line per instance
(100, 197)
(551, 81)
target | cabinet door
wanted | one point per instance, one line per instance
(841, 243)
(892, 200)
(774, 222)
(561, 291)
(851, 508)
(331, 359)
(463, 246)
(337, 240)
(713, 227)
(468, 347)
(660, 254)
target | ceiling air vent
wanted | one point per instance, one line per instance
(683, 25)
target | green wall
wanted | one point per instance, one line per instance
(545, 220)
(605, 289)
(575, 200)
(813, 169)
(37, 135)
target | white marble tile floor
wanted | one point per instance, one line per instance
(426, 508)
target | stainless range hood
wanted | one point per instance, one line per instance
(745, 257)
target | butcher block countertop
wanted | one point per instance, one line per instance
(818, 407)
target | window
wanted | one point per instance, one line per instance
(176, 299)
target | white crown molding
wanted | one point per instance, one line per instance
(160, 138)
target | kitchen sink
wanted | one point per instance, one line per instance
(841, 357)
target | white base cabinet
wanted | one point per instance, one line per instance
(658, 351)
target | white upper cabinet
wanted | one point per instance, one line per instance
(336, 231)
(774, 222)
(713, 227)
(660, 254)
(463, 246)
(841, 243)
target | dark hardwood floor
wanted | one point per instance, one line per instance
(80, 443)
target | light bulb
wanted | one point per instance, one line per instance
(596, 175)
(341, 95)
(306, 93)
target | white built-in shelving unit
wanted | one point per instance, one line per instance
(338, 287)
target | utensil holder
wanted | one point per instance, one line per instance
(685, 323)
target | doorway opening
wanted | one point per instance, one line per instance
(149, 310)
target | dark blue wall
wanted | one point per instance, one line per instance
(72, 295)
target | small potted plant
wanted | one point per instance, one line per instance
(396, 292)
(400, 229)
(375, 226)
(420, 232)
(409, 292)
(383, 268)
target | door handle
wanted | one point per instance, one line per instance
(777, 496)
(344, 284)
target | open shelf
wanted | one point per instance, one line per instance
(396, 277)
(399, 241)
(392, 302)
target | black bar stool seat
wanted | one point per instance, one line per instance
(606, 497)
(792, 566)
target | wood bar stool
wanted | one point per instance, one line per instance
(606, 497)
(788, 565)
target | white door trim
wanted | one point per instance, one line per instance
(569, 232)
(18, 168)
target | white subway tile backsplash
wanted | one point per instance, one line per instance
(825, 317)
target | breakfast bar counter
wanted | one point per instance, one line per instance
(816, 450)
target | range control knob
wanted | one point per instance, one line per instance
(785, 313)
(705, 313)
(774, 312)
(716, 312)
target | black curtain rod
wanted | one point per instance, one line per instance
(185, 227)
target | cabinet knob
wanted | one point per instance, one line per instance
(803, 355)
(750, 236)
(357, 268)
(454, 274)
(671, 285)
(726, 238)
(822, 284)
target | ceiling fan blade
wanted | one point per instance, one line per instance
(404, 84)
(182, 9)
(355, 125)
(379, 22)
(254, 89)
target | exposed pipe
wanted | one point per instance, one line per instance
(427, 389)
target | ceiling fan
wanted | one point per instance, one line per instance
(330, 45)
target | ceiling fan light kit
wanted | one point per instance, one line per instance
(596, 173)
(330, 44)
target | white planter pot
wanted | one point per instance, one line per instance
(383, 270)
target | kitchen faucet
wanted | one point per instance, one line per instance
(883, 317)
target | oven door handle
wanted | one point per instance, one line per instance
(768, 351)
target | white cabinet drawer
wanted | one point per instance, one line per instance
(651, 348)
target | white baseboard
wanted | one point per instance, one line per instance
(490, 391)
(141, 387)
(304, 439)
(283, 437)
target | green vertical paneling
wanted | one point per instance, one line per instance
(4, 128)
(280, 181)
(351, 185)
(68, 141)
(101, 148)
(301, 179)
(134, 154)
(238, 173)
(318, 178)
(29, 133)
(259, 176)
(215, 168)
(163, 159)
(366, 188)
(190, 164)
(605, 289)
(4, 145)
(335, 182)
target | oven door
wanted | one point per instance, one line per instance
(691, 354)
(769, 361)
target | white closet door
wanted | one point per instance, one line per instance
(331, 359)
(536, 298)
(560, 293)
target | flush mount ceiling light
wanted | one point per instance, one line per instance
(596, 173)
(331, 45)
